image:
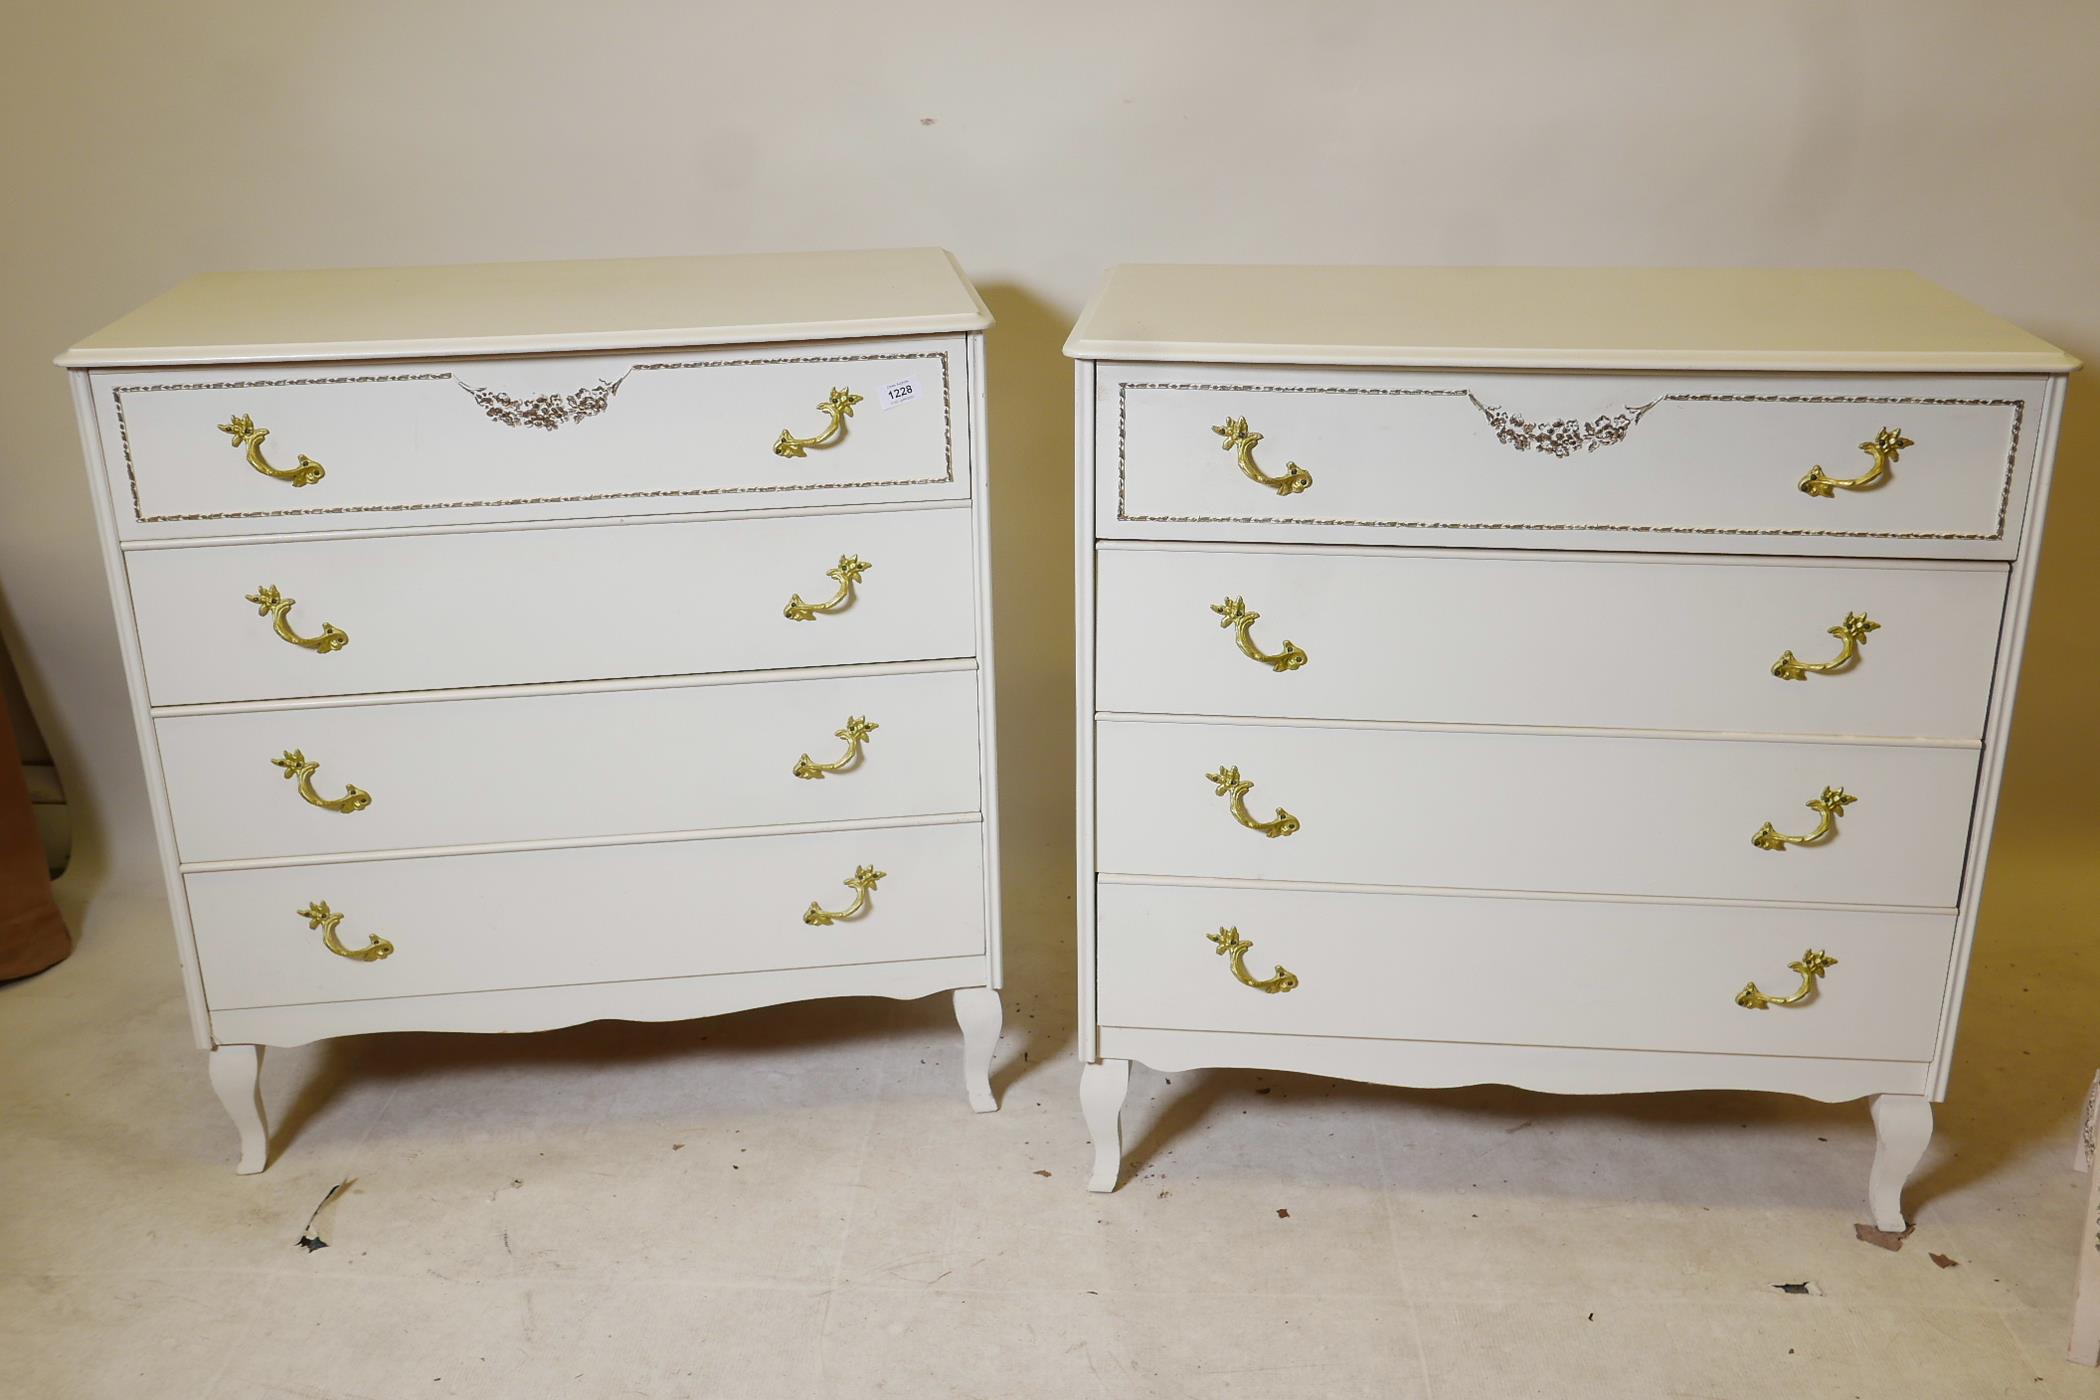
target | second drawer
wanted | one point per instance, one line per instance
(1535, 640)
(468, 771)
(1551, 812)
(504, 607)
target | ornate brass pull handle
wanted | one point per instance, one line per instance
(1237, 438)
(1833, 802)
(1814, 963)
(855, 734)
(1235, 788)
(319, 915)
(296, 765)
(1231, 945)
(840, 407)
(851, 568)
(1233, 613)
(861, 883)
(244, 433)
(1885, 447)
(274, 605)
(1852, 632)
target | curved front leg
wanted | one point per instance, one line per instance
(1235, 788)
(1102, 1087)
(1902, 1131)
(236, 1077)
(1238, 439)
(979, 1012)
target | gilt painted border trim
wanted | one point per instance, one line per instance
(118, 392)
(2012, 458)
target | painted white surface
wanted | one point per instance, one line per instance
(468, 771)
(511, 308)
(599, 914)
(1646, 976)
(407, 445)
(1409, 457)
(515, 606)
(548, 1008)
(1633, 642)
(1549, 812)
(1616, 318)
(1554, 1069)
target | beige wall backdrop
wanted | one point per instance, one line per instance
(1043, 142)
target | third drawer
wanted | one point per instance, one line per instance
(1537, 640)
(1591, 814)
(465, 770)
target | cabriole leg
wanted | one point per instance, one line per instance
(1902, 1128)
(236, 1074)
(1102, 1086)
(979, 1013)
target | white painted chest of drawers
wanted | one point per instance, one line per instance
(1486, 674)
(516, 646)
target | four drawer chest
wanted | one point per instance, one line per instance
(1587, 680)
(521, 645)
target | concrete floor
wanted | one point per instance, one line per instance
(796, 1202)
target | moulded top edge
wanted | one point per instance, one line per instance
(538, 308)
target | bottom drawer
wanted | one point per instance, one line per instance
(587, 914)
(1591, 973)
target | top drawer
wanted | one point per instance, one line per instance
(1687, 461)
(534, 437)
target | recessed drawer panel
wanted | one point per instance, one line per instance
(590, 914)
(466, 771)
(317, 447)
(437, 611)
(1550, 812)
(1909, 465)
(1521, 971)
(1878, 649)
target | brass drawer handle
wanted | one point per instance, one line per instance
(1231, 945)
(1828, 807)
(296, 765)
(1235, 788)
(855, 734)
(1814, 963)
(860, 882)
(1852, 632)
(851, 568)
(319, 915)
(1886, 446)
(1237, 438)
(840, 407)
(1233, 613)
(274, 605)
(244, 433)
